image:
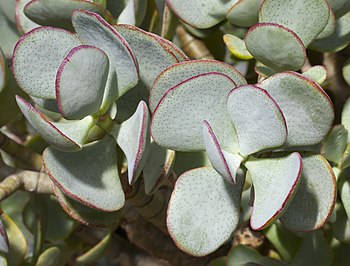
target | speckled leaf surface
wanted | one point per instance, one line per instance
(258, 120)
(64, 136)
(338, 40)
(58, 13)
(133, 138)
(185, 70)
(200, 13)
(180, 55)
(152, 55)
(23, 23)
(307, 18)
(84, 214)
(237, 47)
(123, 70)
(316, 73)
(37, 45)
(335, 143)
(80, 82)
(244, 13)
(172, 126)
(330, 27)
(200, 220)
(306, 107)
(315, 198)
(276, 46)
(225, 163)
(275, 183)
(134, 12)
(158, 167)
(89, 176)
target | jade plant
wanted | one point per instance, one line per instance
(229, 153)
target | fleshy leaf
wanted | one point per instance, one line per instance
(96, 252)
(89, 176)
(123, 69)
(341, 227)
(244, 13)
(50, 257)
(275, 183)
(339, 7)
(225, 163)
(316, 73)
(294, 14)
(200, 220)
(4, 242)
(237, 47)
(58, 13)
(23, 23)
(200, 13)
(315, 198)
(3, 75)
(152, 55)
(134, 12)
(8, 27)
(133, 138)
(335, 143)
(185, 70)
(157, 167)
(345, 117)
(275, 46)
(306, 107)
(263, 70)
(172, 126)
(80, 82)
(344, 191)
(68, 136)
(46, 47)
(345, 160)
(330, 27)
(336, 41)
(84, 214)
(258, 120)
(180, 55)
(346, 71)
(47, 104)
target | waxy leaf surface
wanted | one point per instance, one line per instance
(244, 13)
(203, 211)
(316, 73)
(23, 23)
(275, 183)
(237, 47)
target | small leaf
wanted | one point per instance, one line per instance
(317, 189)
(263, 70)
(244, 255)
(50, 257)
(84, 214)
(275, 184)
(123, 71)
(316, 73)
(68, 136)
(258, 120)
(58, 13)
(158, 167)
(133, 13)
(80, 82)
(289, 14)
(46, 47)
(178, 73)
(225, 163)
(345, 117)
(341, 227)
(93, 254)
(18, 243)
(89, 176)
(200, 13)
(244, 13)
(335, 143)
(237, 47)
(23, 23)
(204, 97)
(306, 107)
(133, 138)
(314, 250)
(203, 211)
(276, 46)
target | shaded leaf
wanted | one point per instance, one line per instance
(244, 13)
(50, 257)
(93, 254)
(316, 73)
(237, 47)
(335, 143)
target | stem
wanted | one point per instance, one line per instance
(27, 157)
(27, 181)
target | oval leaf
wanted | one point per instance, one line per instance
(68, 136)
(237, 47)
(317, 189)
(316, 73)
(178, 73)
(50, 257)
(306, 107)
(244, 13)
(204, 97)
(276, 46)
(80, 82)
(334, 144)
(203, 211)
(275, 183)
(89, 176)
(46, 47)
